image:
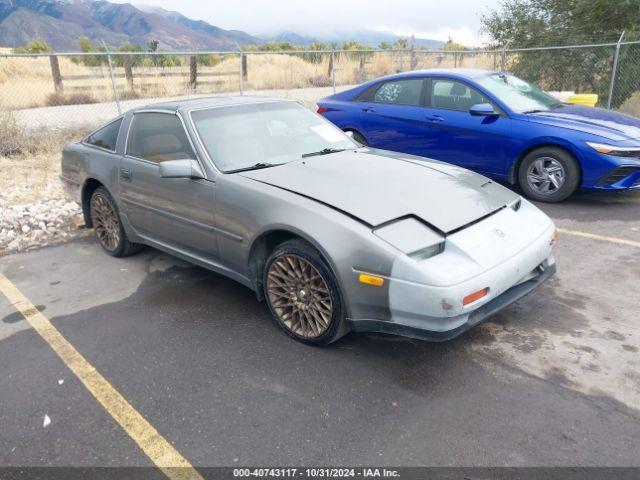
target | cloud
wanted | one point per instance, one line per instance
(459, 19)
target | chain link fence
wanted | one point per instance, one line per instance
(61, 91)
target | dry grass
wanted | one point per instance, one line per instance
(31, 173)
(27, 82)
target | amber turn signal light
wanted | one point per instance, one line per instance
(371, 280)
(475, 296)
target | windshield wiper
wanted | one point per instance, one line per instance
(535, 110)
(255, 166)
(324, 151)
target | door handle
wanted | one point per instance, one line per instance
(369, 110)
(434, 118)
(125, 174)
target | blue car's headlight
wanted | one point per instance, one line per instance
(633, 152)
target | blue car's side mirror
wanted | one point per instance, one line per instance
(482, 110)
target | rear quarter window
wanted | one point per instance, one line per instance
(105, 137)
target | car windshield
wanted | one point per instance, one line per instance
(517, 94)
(263, 135)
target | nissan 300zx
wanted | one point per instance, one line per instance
(336, 237)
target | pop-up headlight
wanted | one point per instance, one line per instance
(412, 237)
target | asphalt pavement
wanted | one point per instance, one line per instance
(552, 380)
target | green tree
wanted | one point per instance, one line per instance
(452, 46)
(539, 23)
(34, 46)
(313, 56)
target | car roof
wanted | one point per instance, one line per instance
(210, 102)
(468, 73)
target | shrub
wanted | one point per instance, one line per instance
(320, 81)
(11, 136)
(56, 99)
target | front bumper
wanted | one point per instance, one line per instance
(541, 274)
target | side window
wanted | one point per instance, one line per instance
(454, 95)
(400, 92)
(158, 137)
(106, 137)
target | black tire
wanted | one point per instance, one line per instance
(552, 159)
(302, 251)
(107, 225)
(358, 137)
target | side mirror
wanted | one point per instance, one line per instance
(349, 133)
(482, 110)
(186, 168)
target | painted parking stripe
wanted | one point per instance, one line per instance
(154, 445)
(621, 241)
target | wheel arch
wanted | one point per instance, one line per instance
(555, 143)
(89, 186)
(266, 241)
(355, 130)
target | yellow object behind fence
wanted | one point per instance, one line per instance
(588, 99)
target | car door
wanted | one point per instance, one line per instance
(176, 212)
(391, 115)
(480, 143)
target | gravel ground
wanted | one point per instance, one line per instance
(45, 222)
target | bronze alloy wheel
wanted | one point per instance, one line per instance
(299, 296)
(105, 222)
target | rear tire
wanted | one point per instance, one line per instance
(107, 225)
(358, 137)
(549, 174)
(303, 294)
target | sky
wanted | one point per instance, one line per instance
(436, 19)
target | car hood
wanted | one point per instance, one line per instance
(377, 186)
(597, 121)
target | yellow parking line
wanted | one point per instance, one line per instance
(621, 241)
(159, 450)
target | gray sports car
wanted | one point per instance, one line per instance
(334, 236)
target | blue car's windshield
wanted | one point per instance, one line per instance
(262, 135)
(517, 94)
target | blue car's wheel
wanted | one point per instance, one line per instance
(549, 174)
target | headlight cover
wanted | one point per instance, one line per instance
(412, 237)
(616, 151)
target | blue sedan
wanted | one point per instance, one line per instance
(495, 124)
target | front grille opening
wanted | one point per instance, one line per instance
(618, 174)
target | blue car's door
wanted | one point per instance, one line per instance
(391, 115)
(480, 143)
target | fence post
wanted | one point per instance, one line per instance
(332, 69)
(113, 78)
(193, 72)
(413, 53)
(245, 69)
(495, 61)
(55, 74)
(241, 76)
(503, 58)
(613, 71)
(128, 73)
(455, 59)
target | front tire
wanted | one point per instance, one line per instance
(303, 294)
(549, 174)
(107, 225)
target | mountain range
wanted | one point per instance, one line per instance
(61, 23)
